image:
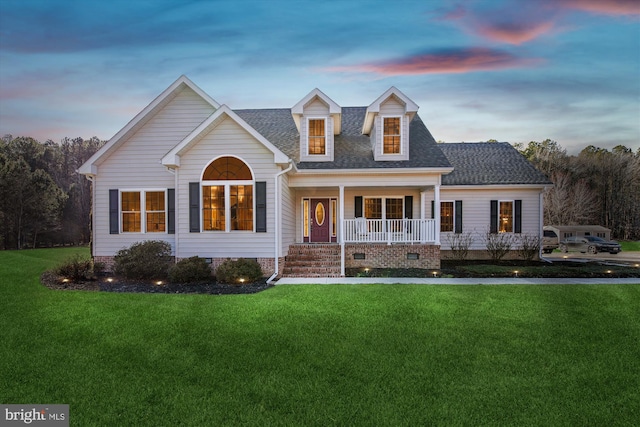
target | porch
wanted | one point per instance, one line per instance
(403, 231)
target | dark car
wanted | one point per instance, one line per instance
(590, 244)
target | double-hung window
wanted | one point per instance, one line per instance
(446, 216)
(317, 136)
(143, 210)
(505, 220)
(383, 207)
(391, 136)
(227, 196)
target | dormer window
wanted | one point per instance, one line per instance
(386, 121)
(317, 131)
(318, 119)
(391, 135)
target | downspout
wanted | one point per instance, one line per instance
(277, 222)
(92, 180)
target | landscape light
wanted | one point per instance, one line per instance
(516, 273)
(159, 282)
(242, 280)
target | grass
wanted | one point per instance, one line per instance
(629, 245)
(322, 355)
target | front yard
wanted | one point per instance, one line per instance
(321, 354)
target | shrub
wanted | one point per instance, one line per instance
(76, 269)
(144, 260)
(460, 244)
(498, 245)
(529, 246)
(190, 270)
(239, 271)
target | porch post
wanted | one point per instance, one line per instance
(341, 230)
(436, 212)
(423, 214)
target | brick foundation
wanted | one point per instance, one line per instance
(392, 256)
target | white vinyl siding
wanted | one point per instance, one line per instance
(316, 110)
(476, 206)
(136, 162)
(391, 108)
(227, 138)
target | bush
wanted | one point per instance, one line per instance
(239, 271)
(144, 260)
(76, 269)
(498, 245)
(190, 270)
(460, 244)
(529, 246)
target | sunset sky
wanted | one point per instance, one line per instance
(516, 71)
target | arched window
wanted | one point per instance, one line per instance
(227, 195)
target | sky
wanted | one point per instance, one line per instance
(513, 70)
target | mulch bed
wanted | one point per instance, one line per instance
(101, 284)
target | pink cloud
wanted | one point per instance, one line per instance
(605, 7)
(514, 33)
(442, 62)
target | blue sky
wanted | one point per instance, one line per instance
(517, 70)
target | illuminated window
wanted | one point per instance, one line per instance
(155, 211)
(446, 216)
(227, 196)
(131, 212)
(305, 210)
(317, 136)
(393, 208)
(505, 221)
(334, 216)
(391, 135)
(143, 210)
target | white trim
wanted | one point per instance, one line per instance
(382, 135)
(143, 210)
(172, 158)
(410, 107)
(89, 167)
(326, 136)
(376, 171)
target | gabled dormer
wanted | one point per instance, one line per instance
(318, 119)
(387, 124)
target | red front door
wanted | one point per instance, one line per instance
(320, 223)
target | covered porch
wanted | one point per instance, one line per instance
(375, 224)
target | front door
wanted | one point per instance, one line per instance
(320, 223)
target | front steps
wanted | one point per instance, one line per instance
(312, 260)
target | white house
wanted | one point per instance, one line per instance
(307, 190)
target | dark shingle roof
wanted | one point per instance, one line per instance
(486, 163)
(474, 163)
(352, 149)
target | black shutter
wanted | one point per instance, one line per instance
(194, 207)
(171, 211)
(458, 218)
(261, 207)
(433, 209)
(493, 225)
(114, 225)
(358, 207)
(408, 207)
(517, 223)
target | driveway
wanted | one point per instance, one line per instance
(622, 257)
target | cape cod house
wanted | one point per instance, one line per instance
(307, 190)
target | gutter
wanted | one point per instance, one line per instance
(277, 221)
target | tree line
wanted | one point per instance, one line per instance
(595, 187)
(45, 202)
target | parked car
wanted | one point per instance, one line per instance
(590, 244)
(549, 241)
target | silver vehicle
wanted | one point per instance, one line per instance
(549, 241)
(589, 244)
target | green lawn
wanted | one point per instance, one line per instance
(322, 355)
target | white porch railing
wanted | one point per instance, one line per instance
(361, 230)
